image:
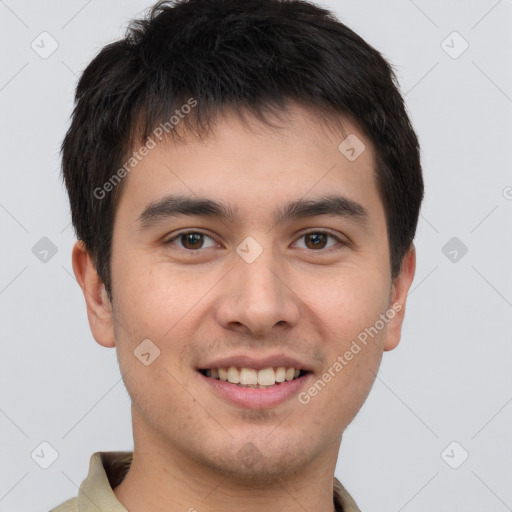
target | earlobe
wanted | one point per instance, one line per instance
(99, 308)
(399, 291)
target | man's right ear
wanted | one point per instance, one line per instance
(99, 307)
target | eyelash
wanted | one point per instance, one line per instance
(176, 237)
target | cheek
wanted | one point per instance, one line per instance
(150, 300)
(349, 309)
(348, 300)
(154, 302)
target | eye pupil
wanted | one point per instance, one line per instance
(316, 239)
(192, 240)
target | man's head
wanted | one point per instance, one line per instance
(227, 55)
(246, 186)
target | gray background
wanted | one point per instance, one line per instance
(449, 380)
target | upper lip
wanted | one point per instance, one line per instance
(258, 363)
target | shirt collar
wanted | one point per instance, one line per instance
(107, 470)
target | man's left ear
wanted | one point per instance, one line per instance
(399, 291)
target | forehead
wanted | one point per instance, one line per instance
(245, 164)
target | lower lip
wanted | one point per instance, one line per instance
(254, 398)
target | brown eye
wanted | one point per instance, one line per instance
(191, 240)
(318, 240)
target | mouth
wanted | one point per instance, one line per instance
(266, 378)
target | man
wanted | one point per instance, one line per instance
(245, 185)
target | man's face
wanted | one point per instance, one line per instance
(253, 291)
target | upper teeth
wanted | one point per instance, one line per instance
(250, 376)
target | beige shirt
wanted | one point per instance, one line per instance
(107, 470)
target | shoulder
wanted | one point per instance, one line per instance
(343, 501)
(70, 505)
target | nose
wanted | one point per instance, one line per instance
(257, 297)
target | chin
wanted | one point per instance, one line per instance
(256, 462)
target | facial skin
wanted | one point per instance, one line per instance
(205, 302)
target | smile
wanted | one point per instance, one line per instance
(255, 389)
(252, 378)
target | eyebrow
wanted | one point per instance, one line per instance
(177, 205)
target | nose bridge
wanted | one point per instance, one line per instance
(258, 298)
(258, 286)
(258, 280)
